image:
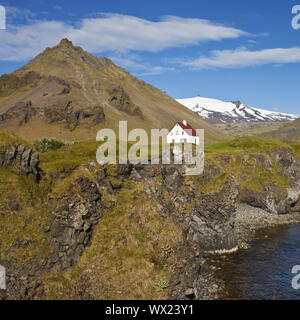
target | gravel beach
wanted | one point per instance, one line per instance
(250, 219)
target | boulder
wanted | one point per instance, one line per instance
(21, 157)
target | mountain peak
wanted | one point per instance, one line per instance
(66, 88)
(220, 112)
(65, 42)
(62, 59)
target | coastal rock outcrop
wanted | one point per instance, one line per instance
(212, 221)
(23, 158)
(279, 187)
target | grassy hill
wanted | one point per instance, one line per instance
(242, 129)
(288, 133)
(67, 93)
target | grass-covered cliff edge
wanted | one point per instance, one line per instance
(72, 229)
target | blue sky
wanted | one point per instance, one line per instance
(227, 49)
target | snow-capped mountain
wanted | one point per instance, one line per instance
(219, 112)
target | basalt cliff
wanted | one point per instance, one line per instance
(72, 229)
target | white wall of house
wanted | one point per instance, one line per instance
(178, 135)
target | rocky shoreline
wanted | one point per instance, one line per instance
(249, 221)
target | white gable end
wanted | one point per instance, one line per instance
(179, 135)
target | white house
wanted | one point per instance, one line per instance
(182, 132)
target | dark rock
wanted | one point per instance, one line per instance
(76, 85)
(23, 111)
(263, 161)
(190, 293)
(14, 206)
(237, 103)
(274, 198)
(64, 111)
(271, 199)
(21, 157)
(98, 115)
(73, 222)
(212, 222)
(59, 81)
(66, 90)
(121, 100)
(59, 111)
(124, 170)
(172, 178)
(284, 157)
(135, 176)
(11, 82)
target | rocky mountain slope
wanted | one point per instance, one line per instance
(67, 93)
(288, 133)
(72, 229)
(242, 129)
(220, 112)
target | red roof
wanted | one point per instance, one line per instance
(188, 129)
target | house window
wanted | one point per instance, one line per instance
(177, 133)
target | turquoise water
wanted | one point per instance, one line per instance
(264, 270)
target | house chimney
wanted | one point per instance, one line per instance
(184, 122)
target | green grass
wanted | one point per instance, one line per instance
(215, 185)
(258, 144)
(9, 138)
(120, 254)
(261, 178)
(71, 156)
(240, 163)
(22, 232)
(290, 133)
(296, 148)
(220, 147)
(68, 157)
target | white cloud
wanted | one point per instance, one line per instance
(242, 57)
(21, 43)
(58, 8)
(112, 32)
(155, 70)
(16, 15)
(120, 32)
(138, 66)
